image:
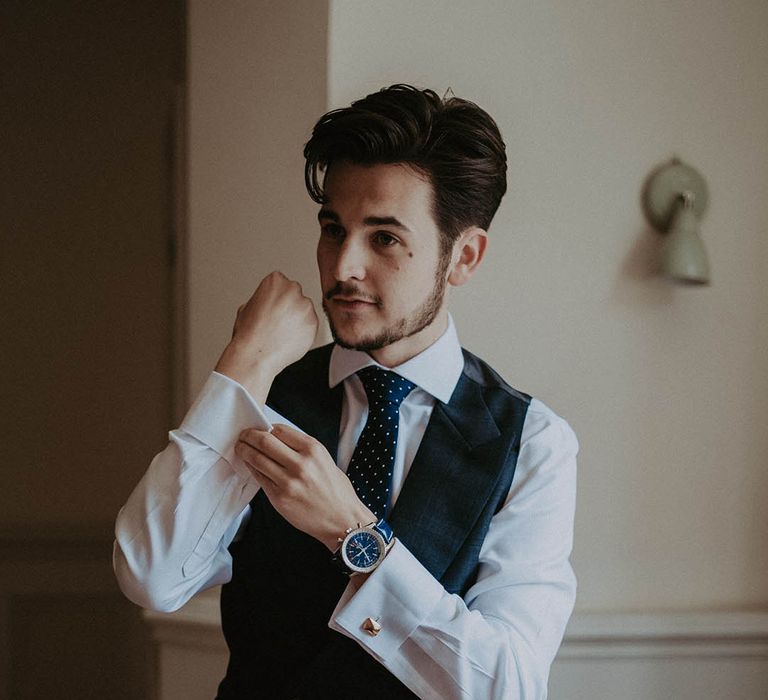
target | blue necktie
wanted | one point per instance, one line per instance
(370, 469)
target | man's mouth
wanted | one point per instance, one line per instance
(352, 303)
(351, 298)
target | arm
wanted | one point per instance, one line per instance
(171, 537)
(499, 641)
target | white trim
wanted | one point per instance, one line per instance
(722, 634)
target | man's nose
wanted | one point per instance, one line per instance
(351, 260)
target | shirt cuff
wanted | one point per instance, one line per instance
(399, 595)
(222, 410)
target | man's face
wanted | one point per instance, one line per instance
(381, 271)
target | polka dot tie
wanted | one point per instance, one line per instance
(370, 469)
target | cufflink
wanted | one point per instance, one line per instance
(371, 626)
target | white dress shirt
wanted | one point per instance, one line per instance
(497, 642)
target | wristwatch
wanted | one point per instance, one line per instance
(364, 547)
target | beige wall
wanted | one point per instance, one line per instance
(667, 388)
(664, 386)
(257, 81)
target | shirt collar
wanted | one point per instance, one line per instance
(436, 370)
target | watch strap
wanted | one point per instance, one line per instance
(384, 529)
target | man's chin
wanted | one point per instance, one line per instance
(359, 336)
(351, 341)
(369, 339)
(351, 333)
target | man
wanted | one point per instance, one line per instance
(408, 534)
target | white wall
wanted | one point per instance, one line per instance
(666, 387)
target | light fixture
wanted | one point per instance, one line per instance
(675, 198)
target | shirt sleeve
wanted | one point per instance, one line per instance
(172, 535)
(500, 639)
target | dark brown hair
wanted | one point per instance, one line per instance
(452, 141)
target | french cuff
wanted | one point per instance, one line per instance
(397, 597)
(222, 410)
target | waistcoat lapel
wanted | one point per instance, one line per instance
(452, 476)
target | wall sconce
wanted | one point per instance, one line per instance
(675, 198)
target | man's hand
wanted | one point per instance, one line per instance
(274, 328)
(303, 483)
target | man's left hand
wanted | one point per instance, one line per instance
(302, 482)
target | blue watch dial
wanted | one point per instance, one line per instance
(362, 550)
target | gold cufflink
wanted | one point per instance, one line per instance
(372, 626)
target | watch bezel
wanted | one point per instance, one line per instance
(380, 543)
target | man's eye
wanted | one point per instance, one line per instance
(385, 239)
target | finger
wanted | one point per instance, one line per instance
(271, 446)
(292, 438)
(262, 466)
(267, 485)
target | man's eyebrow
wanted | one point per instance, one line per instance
(331, 215)
(385, 221)
(325, 213)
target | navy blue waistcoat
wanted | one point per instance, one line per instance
(284, 586)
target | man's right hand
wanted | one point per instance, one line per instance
(274, 328)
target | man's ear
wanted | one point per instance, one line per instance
(468, 252)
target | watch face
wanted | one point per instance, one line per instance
(362, 550)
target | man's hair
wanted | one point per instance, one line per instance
(455, 143)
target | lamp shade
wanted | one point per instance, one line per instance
(675, 198)
(684, 258)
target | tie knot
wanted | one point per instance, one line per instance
(383, 386)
